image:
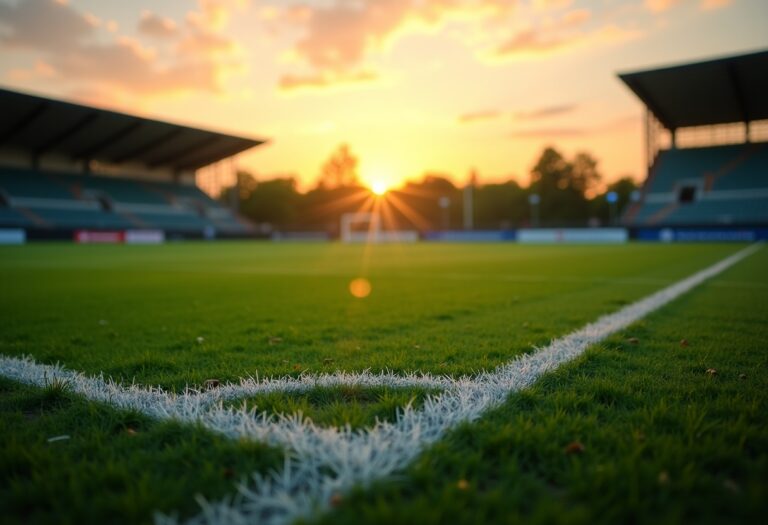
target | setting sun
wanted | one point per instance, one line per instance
(379, 187)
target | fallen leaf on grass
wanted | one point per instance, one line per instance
(574, 447)
(462, 484)
(711, 372)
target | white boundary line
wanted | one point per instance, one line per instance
(323, 462)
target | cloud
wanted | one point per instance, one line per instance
(659, 6)
(41, 69)
(547, 37)
(545, 112)
(215, 15)
(339, 38)
(552, 4)
(480, 116)
(204, 43)
(76, 49)
(571, 31)
(157, 26)
(324, 80)
(611, 126)
(575, 18)
(530, 114)
(22, 26)
(711, 5)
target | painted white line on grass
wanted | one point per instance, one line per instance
(323, 462)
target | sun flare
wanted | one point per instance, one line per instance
(379, 187)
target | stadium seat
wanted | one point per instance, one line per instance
(26, 183)
(85, 219)
(73, 201)
(13, 218)
(728, 184)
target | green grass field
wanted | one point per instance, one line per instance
(663, 440)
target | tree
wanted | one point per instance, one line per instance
(584, 175)
(500, 205)
(272, 201)
(562, 186)
(550, 172)
(340, 169)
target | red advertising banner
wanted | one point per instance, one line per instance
(99, 237)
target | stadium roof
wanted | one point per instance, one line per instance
(733, 89)
(41, 125)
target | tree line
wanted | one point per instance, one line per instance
(561, 192)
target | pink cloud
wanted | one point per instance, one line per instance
(659, 6)
(189, 57)
(545, 112)
(339, 39)
(323, 80)
(157, 26)
(529, 114)
(620, 123)
(571, 31)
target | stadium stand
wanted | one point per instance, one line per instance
(48, 184)
(712, 184)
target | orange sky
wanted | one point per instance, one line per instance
(411, 85)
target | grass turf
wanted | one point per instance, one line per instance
(181, 314)
(114, 466)
(137, 312)
(664, 441)
(355, 406)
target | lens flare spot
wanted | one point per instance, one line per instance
(360, 288)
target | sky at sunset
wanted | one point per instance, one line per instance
(412, 85)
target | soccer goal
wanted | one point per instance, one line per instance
(360, 227)
(366, 227)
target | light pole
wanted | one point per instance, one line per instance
(534, 200)
(445, 205)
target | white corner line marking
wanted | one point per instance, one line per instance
(322, 462)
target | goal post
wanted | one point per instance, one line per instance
(360, 227)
